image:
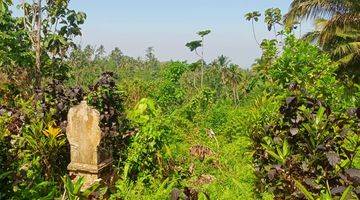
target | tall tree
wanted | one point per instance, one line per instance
(116, 55)
(15, 48)
(51, 27)
(233, 76)
(100, 52)
(194, 45)
(89, 52)
(223, 62)
(150, 54)
(253, 17)
(273, 17)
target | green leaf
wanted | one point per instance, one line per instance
(286, 148)
(3, 175)
(346, 193)
(78, 184)
(69, 185)
(203, 33)
(2, 7)
(91, 189)
(194, 45)
(319, 115)
(307, 194)
(272, 153)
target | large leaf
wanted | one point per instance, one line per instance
(194, 45)
(303, 190)
(6, 174)
(346, 193)
(203, 33)
(333, 158)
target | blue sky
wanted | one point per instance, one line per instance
(166, 25)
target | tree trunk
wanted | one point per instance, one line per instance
(253, 28)
(202, 63)
(194, 81)
(275, 32)
(235, 93)
(38, 48)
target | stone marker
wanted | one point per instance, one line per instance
(88, 158)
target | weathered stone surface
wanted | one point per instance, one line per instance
(84, 135)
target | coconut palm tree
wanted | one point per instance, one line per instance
(272, 18)
(253, 17)
(234, 77)
(223, 63)
(231, 74)
(337, 27)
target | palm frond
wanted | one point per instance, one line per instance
(337, 26)
(347, 48)
(346, 59)
(312, 9)
(311, 36)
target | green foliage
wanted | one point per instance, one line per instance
(4, 5)
(169, 92)
(285, 129)
(33, 157)
(253, 16)
(50, 35)
(272, 18)
(308, 143)
(194, 45)
(16, 57)
(139, 190)
(145, 150)
(304, 66)
(335, 32)
(204, 33)
(268, 57)
(74, 189)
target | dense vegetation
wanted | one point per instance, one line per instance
(288, 128)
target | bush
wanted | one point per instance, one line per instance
(169, 92)
(309, 145)
(34, 150)
(304, 66)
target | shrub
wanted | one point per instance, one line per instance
(311, 145)
(169, 93)
(304, 66)
(145, 151)
(34, 151)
